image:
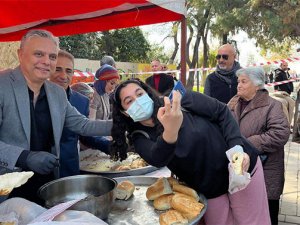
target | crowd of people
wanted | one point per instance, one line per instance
(44, 118)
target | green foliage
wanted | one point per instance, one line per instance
(81, 45)
(125, 45)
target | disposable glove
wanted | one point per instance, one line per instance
(41, 162)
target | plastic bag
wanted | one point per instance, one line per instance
(236, 182)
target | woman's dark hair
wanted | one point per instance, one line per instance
(123, 124)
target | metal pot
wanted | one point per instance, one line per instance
(97, 191)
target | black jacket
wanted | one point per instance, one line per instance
(166, 83)
(281, 75)
(198, 157)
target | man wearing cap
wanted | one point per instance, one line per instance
(69, 157)
(107, 79)
(222, 83)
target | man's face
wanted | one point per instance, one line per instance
(225, 58)
(38, 59)
(63, 73)
(155, 66)
(284, 66)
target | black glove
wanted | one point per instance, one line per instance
(41, 162)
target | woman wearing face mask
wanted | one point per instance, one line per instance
(264, 124)
(192, 144)
(108, 78)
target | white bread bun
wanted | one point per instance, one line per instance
(159, 188)
(186, 205)
(163, 202)
(9, 181)
(124, 190)
(237, 162)
(172, 217)
(186, 190)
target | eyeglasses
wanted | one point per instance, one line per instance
(222, 56)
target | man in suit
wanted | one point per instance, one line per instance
(34, 112)
(161, 82)
(69, 157)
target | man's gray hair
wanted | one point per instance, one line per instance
(107, 59)
(39, 33)
(255, 74)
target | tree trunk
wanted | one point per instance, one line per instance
(176, 44)
(225, 38)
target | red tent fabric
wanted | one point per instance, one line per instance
(67, 17)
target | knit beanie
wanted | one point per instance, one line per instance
(107, 72)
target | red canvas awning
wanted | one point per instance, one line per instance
(68, 17)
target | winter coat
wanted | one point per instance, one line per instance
(264, 124)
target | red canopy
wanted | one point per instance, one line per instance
(67, 17)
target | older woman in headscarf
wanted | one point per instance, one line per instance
(84, 89)
(263, 123)
(107, 79)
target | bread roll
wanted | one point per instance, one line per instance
(172, 181)
(124, 190)
(172, 217)
(163, 202)
(237, 162)
(159, 188)
(138, 163)
(186, 190)
(186, 205)
(122, 168)
(9, 181)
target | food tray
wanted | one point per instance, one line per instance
(138, 210)
(91, 156)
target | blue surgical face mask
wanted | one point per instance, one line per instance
(141, 109)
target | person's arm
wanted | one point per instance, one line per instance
(207, 87)
(81, 125)
(160, 151)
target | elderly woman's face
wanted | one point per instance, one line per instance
(246, 89)
(129, 94)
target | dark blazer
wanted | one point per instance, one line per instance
(166, 83)
(69, 157)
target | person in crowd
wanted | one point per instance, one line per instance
(107, 79)
(190, 137)
(109, 60)
(263, 123)
(34, 112)
(282, 74)
(271, 77)
(69, 157)
(84, 89)
(161, 82)
(222, 83)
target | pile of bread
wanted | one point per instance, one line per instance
(181, 202)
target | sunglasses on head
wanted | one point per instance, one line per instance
(222, 56)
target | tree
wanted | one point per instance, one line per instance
(81, 45)
(125, 45)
